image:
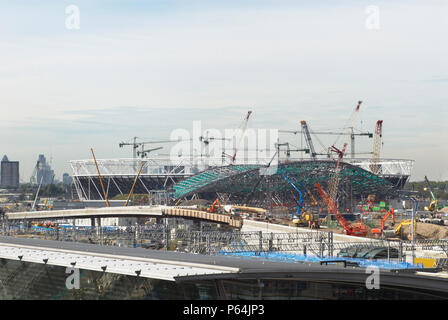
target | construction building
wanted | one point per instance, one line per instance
(9, 173)
(278, 180)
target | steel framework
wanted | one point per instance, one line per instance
(355, 181)
(181, 177)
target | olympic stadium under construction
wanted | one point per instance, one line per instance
(245, 212)
(251, 182)
(265, 182)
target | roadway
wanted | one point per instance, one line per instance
(265, 227)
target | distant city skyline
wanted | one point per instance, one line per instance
(144, 69)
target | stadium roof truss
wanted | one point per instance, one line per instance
(243, 179)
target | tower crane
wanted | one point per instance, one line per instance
(308, 138)
(243, 130)
(136, 145)
(206, 140)
(144, 153)
(374, 167)
(288, 150)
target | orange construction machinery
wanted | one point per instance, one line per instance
(380, 232)
(215, 205)
(358, 229)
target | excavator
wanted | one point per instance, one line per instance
(384, 232)
(215, 205)
(307, 219)
(432, 207)
(399, 228)
(395, 232)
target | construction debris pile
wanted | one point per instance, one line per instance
(427, 231)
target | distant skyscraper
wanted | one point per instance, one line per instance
(66, 179)
(9, 173)
(44, 174)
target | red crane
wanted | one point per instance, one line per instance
(243, 130)
(334, 182)
(358, 229)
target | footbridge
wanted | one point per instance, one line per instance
(134, 211)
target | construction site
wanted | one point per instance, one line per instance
(297, 205)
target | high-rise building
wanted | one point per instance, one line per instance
(9, 173)
(45, 173)
(66, 179)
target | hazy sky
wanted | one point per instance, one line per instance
(145, 68)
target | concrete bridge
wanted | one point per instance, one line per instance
(134, 212)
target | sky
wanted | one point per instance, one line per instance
(146, 68)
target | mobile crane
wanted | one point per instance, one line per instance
(302, 217)
(432, 207)
(358, 229)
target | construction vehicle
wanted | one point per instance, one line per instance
(399, 228)
(307, 219)
(432, 208)
(215, 206)
(330, 199)
(302, 218)
(383, 232)
(358, 229)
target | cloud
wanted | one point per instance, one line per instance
(137, 69)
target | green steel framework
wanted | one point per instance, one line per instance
(241, 180)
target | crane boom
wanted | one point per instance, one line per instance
(243, 130)
(433, 205)
(358, 229)
(136, 144)
(33, 179)
(308, 140)
(429, 188)
(334, 182)
(374, 167)
(144, 153)
(299, 208)
(246, 120)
